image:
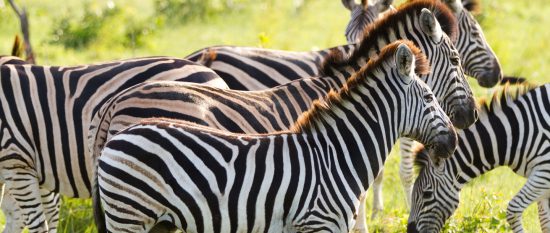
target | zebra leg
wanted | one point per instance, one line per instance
(544, 215)
(360, 221)
(22, 202)
(51, 203)
(534, 189)
(377, 199)
(406, 147)
(15, 221)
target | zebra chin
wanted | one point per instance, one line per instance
(412, 228)
(443, 145)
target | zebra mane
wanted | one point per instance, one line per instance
(503, 97)
(379, 29)
(322, 106)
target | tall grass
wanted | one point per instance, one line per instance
(516, 30)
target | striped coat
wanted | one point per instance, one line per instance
(44, 120)
(513, 131)
(303, 180)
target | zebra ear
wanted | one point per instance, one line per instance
(430, 26)
(454, 5)
(383, 5)
(404, 59)
(349, 4)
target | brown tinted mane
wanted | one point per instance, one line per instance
(507, 94)
(321, 107)
(380, 27)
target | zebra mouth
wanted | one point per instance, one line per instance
(443, 146)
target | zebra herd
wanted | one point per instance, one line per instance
(241, 139)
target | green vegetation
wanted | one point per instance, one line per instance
(74, 32)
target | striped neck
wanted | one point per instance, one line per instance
(358, 123)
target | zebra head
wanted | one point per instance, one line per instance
(362, 15)
(435, 195)
(479, 60)
(446, 78)
(422, 119)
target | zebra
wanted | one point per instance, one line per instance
(251, 69)
(44, 120)
(514, 131)
(362, 15)
(160, 100)
(207, 180)
(478, 60)
(11, 60)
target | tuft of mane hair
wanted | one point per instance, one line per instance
(379, 29)
(17, 47)
(208, 57)
(322, 106)
(503, 96)
(473, 6)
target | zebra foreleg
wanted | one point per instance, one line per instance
(532, 191)
(406, 147)
(51, 202)
(544, 215)
(406, 175)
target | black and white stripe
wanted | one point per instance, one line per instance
(303, 180)
(478, 60)
(512, 131)
(44, 120)
(362, 15)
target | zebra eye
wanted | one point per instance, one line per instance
(455, 60)
(429, 98)
(427, 194)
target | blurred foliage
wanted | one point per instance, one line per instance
(184, 11)
(118, 25)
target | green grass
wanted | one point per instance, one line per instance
(515, 30)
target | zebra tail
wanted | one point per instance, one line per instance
(99, 216)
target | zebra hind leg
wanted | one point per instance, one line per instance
(534, 189)
(544, 215)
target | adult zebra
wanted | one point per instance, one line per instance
(44, 120)
(514, 131)
(473, 52)
(278, 108)
(207, 180)
(249, 68)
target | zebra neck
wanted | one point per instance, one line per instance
(360, 138)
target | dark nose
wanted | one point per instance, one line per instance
(444, 144)
(411, 227)
(465, 115)
(492, 77)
